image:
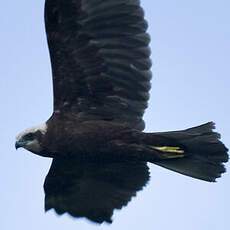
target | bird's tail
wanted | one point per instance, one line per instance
(196, 152)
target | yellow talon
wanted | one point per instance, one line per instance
(169, 149)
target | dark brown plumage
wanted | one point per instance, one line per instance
(101, 77)
(100, 59)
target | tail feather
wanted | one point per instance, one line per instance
(204, 153)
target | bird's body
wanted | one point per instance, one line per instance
(101, 64)
(112, 141)
(64, 138)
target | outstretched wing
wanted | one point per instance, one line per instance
(92, 190)
(100, 59)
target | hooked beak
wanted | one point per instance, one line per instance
(19, 144)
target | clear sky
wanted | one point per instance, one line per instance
(191, 85)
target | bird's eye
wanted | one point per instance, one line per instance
(29, 136)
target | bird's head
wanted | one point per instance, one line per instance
(31, 138)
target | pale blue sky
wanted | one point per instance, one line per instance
(191, 83)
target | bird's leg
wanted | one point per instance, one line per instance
(144, 152)
(169, 151)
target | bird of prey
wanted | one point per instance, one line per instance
(101, 64)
